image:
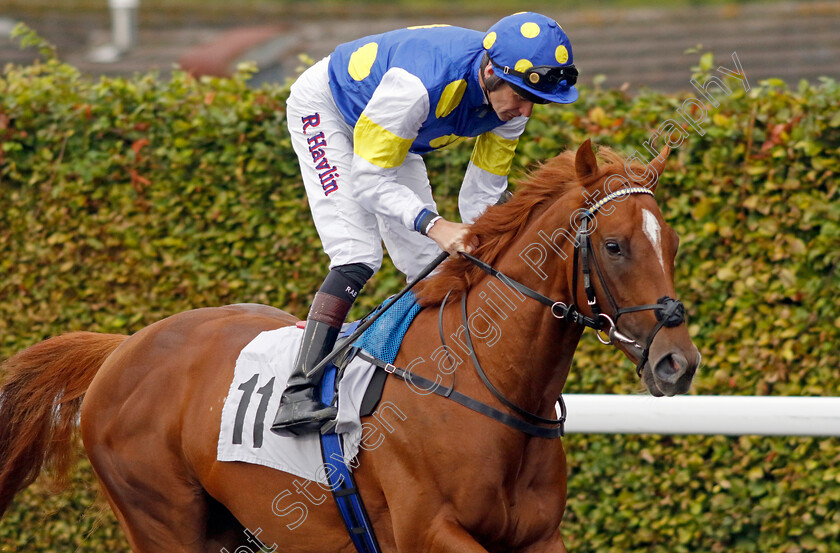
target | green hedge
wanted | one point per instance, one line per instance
(126, 200)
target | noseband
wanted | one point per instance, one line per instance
(669, 312)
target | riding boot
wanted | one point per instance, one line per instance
(300, 409)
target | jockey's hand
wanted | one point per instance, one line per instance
(453, 237)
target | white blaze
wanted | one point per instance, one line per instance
(652, 230)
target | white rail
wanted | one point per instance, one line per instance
(712, 415)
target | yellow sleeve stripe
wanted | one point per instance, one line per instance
(493, 153)
(377, 145)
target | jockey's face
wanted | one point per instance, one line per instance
(508, 104)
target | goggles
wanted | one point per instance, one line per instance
(543, 78)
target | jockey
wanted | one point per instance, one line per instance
(361, 119)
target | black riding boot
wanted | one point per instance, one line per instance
(300, 409)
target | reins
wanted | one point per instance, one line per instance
(429, 386)
(489, 385)
(669, 313)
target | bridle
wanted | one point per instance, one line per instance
(669, 312)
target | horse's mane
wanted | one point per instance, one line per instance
(499, 224)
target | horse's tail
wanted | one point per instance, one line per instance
(39, 405)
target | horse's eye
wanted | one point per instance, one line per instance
(613, 248)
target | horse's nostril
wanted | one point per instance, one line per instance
(670, 368)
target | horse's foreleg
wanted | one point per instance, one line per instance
(553, 545)
(445, 535)
(442, 535)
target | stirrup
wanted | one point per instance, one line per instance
(302, 414)
(329, 427)
(307, 426)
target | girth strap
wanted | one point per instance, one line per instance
(341, 481)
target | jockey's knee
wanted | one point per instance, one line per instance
(346, 281)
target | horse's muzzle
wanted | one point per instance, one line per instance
(671, 373)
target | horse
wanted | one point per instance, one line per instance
(442, 478)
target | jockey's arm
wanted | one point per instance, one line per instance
(381, 140)
(484, 183)
(486, 178)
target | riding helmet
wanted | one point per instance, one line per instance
(533, 54)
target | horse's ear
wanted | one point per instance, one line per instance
(585, 163)
(658, 163)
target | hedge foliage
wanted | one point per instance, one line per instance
(126, 200)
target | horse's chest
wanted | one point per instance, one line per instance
(523, 505)
(513, 516)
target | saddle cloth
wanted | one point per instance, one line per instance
(262, 370)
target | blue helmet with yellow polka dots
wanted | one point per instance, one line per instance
(533, 54)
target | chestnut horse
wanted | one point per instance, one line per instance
(442, 478)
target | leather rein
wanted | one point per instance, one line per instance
(669, 313)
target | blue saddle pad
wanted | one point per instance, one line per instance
(384, 337)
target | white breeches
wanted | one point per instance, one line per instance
(323, 142)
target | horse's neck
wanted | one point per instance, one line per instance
(524, 351)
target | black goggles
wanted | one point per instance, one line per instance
(544, 78)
